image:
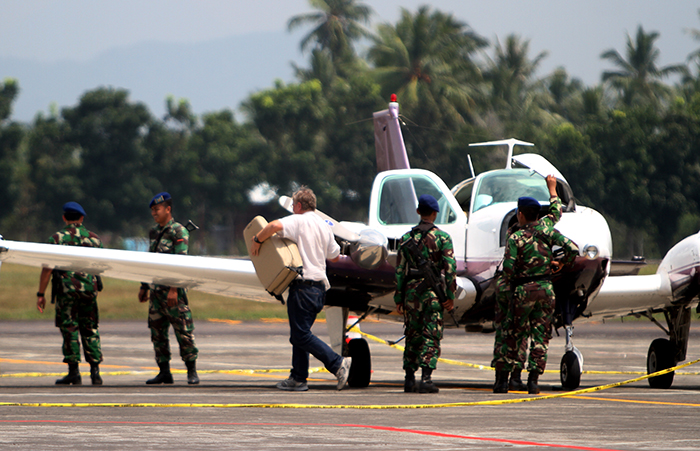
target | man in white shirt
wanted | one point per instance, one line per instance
(307, 295)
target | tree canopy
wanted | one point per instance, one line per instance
(629, 146)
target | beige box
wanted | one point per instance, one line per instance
(278, 262)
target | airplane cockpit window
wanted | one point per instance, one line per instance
(399, 197)
(507, 186)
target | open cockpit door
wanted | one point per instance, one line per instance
(395, 198)
(541, 166)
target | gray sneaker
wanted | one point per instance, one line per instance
(292, 385)
(343, 372)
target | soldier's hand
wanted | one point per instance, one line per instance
(40, 303)
(172, 297)
(449, 305)
(399, 308)
(552, 185)
(143, 295)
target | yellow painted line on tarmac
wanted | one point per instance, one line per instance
(269, 372)
(41, 362)
(227, 321)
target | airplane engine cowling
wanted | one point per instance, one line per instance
(370, 251)
(682, 266)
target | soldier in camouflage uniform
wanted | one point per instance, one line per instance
(168, 305)
(527, 269)
(76, 300)
(418, 302)
(500, 348)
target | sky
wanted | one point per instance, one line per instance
(72, 33)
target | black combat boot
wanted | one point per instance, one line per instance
(164, 377)
(501, 384)
(192, 377)
(73, 376)
(532, 387)
(95, 374)
(516, 382)
(409, 382)
(426, 384)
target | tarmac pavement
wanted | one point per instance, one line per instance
(236, 405)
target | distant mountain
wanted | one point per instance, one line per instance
(212, 75)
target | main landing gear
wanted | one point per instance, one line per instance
(666, 353)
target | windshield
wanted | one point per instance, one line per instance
(508, 185)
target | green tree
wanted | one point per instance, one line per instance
(517, 99)
(426, 59)
(622, 140)
(9, 90)
(566, 96)
(638, 77)
(229, 159)
(107, 133)
(336, 25)
(51, 179)
(11, 136)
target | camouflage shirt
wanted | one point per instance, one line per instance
(76, 235)
(529, 251)
(544, 225)
(172, 238)
(437, 247)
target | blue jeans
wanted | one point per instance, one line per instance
(303, 304)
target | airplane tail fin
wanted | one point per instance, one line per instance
(388, 139)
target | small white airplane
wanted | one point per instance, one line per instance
(477, 213)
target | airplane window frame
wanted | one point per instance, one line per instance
(446, 216)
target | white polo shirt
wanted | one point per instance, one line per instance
(316, 243)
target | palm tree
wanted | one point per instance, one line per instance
(336, 25)
(511, 71)
(426, 60)
(690, 84)
(638, 77)
(695, 33)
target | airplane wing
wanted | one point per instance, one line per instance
(222, 276)
(626, 294)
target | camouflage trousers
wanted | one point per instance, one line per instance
(76, 313)
(501, 326)
(160, 317)
(530, 316)
(423, 328)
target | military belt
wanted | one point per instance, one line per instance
(524, 280)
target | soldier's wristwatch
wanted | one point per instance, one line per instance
(39, 294)
(255, 238)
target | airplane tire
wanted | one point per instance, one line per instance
(361, 368)
(660, 357)
(570, 371)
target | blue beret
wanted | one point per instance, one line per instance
(528, 202)
(159, 199)
(426, 200)
(73, 207)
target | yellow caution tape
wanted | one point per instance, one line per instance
(489, 368)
